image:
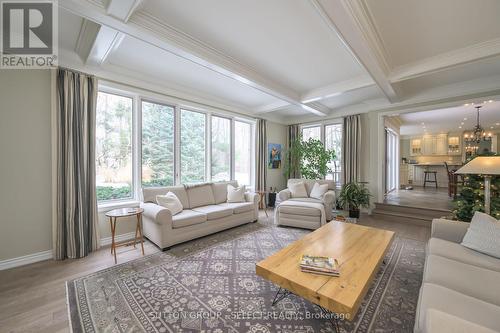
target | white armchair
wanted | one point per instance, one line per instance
(293, 216)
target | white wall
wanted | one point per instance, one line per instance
(276, 133)
(25, 167)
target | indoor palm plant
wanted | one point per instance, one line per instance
(354, 196)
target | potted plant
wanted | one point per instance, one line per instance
(309, 158)
(354, 196)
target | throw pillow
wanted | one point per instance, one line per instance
(298, 190)
(318, 191)
(483, 235)
(171, 202)
(235, 194)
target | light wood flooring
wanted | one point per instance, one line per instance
(33, 297)
(428, 197)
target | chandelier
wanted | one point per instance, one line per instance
(478, 135)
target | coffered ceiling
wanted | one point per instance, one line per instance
(289, 60)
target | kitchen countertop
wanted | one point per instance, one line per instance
(435, 164)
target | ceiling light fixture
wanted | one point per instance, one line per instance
(478, 134)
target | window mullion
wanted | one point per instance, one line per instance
(177, 145)
(208, 147)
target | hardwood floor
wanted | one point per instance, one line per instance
(33, 297)
(429, 197)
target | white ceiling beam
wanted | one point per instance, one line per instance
(122, 9)
(338, 88)
(349, 21)
(150, 29)
(97, 41)
(272, 107)
(446, 60)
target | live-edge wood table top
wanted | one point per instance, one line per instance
(360, 251)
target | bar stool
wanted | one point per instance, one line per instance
(429, 179)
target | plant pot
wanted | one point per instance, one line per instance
(354, 213)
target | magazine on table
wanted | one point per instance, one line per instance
(319, 265)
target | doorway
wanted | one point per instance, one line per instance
(392, 160)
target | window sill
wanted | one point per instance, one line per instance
(107, 206)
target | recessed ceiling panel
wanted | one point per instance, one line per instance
(151, 62)
(69, 29)
(417, 29)
(284, 40)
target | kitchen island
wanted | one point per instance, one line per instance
(416, 172)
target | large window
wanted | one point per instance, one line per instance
(141, 143)
(221, 149)
(157, 144)
(192, 147)
(243, 152)
(113, 147)
(333, 140)
(311, 133)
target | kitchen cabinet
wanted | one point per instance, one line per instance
(415, 147)
(454, 145)
(430, 145)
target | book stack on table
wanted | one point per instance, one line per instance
(319, 265)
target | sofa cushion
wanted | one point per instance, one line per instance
(460, 253)
(186, 218)
(235, 194)
(171, 202)
(441, 322)
(470, 280)
(309, 183)
(200, 195)
(299, 210)
(307, 200)
(483, 235)
(318, 191)
(239, 207)
(471, 309)
(214, 212)
(220, 190)
(298, 190)
(149, 193)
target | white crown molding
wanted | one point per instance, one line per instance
(122, 9)
(345, 18)
(149, 29)
(25, 260)
(86, 38)
(337, 88)
(126, 77)
(446, 60)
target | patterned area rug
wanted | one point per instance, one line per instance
(209, 285)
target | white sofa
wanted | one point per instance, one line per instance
(296, 215)
(206, 211)
(461, 287)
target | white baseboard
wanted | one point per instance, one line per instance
(25, 260)
(46, 255)
(118, 238)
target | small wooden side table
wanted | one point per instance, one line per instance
(262, 201)
(125, 212)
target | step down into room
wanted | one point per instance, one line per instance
(407, 214)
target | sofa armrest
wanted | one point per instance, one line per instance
(284, 195)
(329, 198)
(156, 213)
(252, 197)
(453, 231)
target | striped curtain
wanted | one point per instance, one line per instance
(77, 222)
(261, 170)
(292, 135)
(351, 145)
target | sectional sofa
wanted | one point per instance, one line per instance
(206, 211)
(461, 287)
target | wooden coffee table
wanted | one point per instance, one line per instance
(360, 251)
